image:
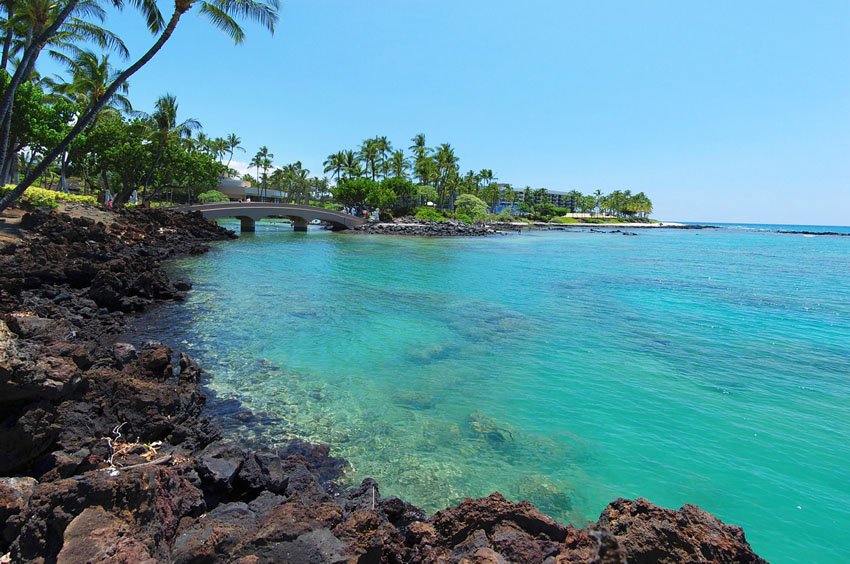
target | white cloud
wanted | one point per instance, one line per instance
(240, 167)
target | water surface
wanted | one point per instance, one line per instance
(567, 368)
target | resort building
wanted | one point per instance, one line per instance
(241, 190)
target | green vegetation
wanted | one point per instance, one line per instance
(565, 220)
(472, 196)
(211, 197)
(430, 214)
(471, 207)
(47, 198)
(45, 122)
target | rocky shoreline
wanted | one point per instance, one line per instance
(412, 226)
(106, 453)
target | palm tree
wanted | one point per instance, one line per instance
(598, 201)
(165, 128)
(223, 14)
(383, 146)
(335, 163)
(398, 164)
(352, 164)
(447, 172)
(35, 26)
(425, 169)
(370, 153)
(233, 143)
(89, 80)
(263, 160)
(419, 149)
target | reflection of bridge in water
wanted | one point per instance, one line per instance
(249, 212)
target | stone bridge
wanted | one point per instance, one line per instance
(249, 212)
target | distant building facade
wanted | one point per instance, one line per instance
(241, 190)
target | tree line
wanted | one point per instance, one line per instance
(45, 121)
(378, 175)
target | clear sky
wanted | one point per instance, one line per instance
(720, 111)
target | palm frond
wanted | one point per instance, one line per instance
(100, 36)
(62, 58)
(89, 9)
(153, 17)
(223, 21)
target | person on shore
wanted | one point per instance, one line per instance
(107, 198)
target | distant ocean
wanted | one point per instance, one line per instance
(777, 227)
(568, 368)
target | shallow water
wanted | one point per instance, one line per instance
(568, 368)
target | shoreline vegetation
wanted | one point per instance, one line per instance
(107, 452)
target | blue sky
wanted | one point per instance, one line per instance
(719, 111)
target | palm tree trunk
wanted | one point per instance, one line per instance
(24, 69)
(7, 41)
(181, 7)
(149, 176)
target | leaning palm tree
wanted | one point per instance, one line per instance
(24, 22)
(164, 128)
(223, 14)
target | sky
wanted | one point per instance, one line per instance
(719, 111)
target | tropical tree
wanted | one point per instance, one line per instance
(472, 206)
(418, 147)
(370, 154)
(354, 191)
(222, 13)
(384, 147)
(232, 143)
(164, 129)
(447, 173)
(352, 168)
(426, 170)
(263, 160)
(398, 164)
(90, 76)
(335, 164)
(404, 189)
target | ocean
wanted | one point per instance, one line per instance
(568, 368)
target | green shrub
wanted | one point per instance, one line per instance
(48, 198)
(212, 196)
(471, 206)
(429, 214)
(460, 216)
(564, 220)
(332, 206)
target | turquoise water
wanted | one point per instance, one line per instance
(568, 368)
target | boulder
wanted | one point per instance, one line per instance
(648, 533)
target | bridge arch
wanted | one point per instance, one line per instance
(248, 213)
